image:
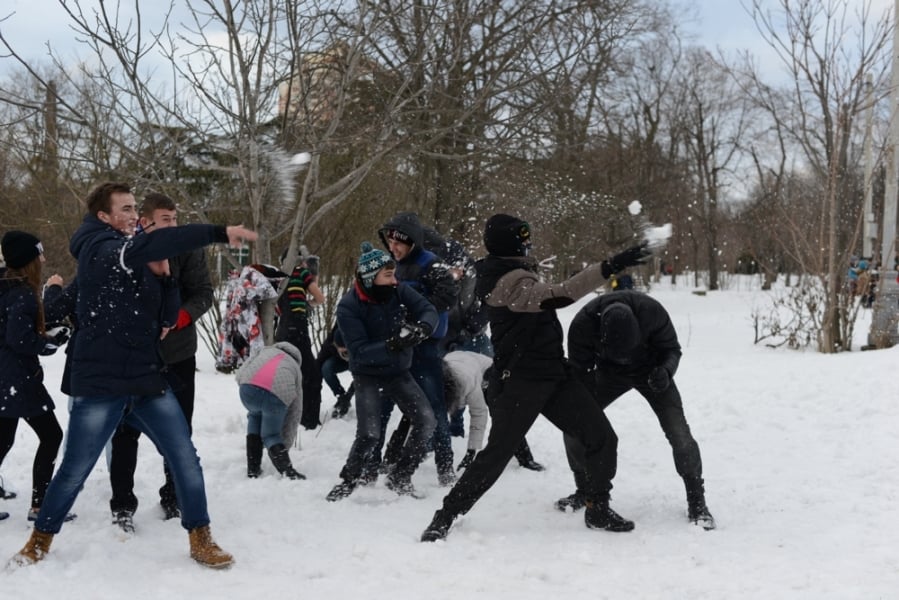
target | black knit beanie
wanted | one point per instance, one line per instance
(20, 248)
(505, 235)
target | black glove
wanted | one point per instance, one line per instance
(659, 379)
(59, 335)
(635, 255)
(466, 460)
(422, 331)
(410, 334)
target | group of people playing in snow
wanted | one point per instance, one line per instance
(391, 333)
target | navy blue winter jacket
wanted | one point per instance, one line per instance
(365, 327)
(22, 391)
(120, 304)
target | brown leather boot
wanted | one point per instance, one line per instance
(205, 551)
(35, 549)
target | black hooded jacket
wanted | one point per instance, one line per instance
(524, 329)
(658, 346)
(423, 270)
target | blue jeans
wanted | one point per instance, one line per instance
(265, 413)
(91, 423)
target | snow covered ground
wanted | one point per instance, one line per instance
(802, 475)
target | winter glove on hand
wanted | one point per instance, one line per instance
(659, 380)
(59, 335)
(422, 332)
(466, 460)
(635, 255)
(395, 344)
(411, 334)
(184, 319)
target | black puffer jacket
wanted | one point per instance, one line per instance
(120, 304)
(658, 345)
(22, 391)
(366, 325)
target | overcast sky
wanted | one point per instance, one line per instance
(717, 24)
(32, 23)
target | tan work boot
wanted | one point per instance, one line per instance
(35, 549)
(205, 551)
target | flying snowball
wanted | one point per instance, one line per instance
(635, 208)
(300, 158)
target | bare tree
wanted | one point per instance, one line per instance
(819, 118)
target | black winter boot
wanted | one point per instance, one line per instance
(599, 516)
(573, 502)
(124, 519)
(526, 459)
(439, 527)
(697, 511)
(342, 406)
(340, 491)
(446, 477)
(402, 485)
(254, 456)
(281, 459)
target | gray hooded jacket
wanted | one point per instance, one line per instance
(277, 369)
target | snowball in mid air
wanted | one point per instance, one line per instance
(635, 208)
(300, 158)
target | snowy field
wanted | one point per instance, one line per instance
(801, 457)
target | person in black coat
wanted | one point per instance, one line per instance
(24, 337)
(300, 294)
(530, 375)
(625, 340)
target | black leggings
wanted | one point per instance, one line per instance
(49, 435)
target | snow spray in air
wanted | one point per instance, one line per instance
(656, 236)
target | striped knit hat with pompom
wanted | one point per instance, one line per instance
(371, 261)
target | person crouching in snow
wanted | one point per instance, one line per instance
(463, 385)
(271, 385)
(623, 341)
(380, 321)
